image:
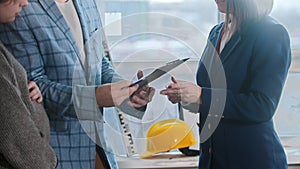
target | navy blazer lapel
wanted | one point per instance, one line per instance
(227, 50)
(216, 35)
(51, 8)
(236, 39)
(210, 51)
(225, 53)
(230, 46)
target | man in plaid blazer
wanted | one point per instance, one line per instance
(43, 43)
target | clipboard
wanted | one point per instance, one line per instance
(124, 124)
(158, 72)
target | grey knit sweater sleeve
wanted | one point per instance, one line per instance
(24, 131)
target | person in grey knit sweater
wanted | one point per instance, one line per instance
(24, 129)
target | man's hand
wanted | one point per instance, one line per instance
(34, 92)
(114, 94)
(142, 96)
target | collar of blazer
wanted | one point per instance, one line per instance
(243, 30)
(236, 38)
(52, 10)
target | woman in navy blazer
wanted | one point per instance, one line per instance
(74, 93)
(240, 79)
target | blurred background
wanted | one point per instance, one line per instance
(144, 34)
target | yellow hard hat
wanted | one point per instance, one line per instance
(167, 135)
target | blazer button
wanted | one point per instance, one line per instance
(42, 135)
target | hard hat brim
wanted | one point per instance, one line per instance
(147, 154)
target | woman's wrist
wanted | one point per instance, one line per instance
(199, 101)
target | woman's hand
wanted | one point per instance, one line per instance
(34, 92)
(184, 91)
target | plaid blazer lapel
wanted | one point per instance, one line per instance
(54, 13)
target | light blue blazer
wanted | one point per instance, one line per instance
(42, 42)
(255, 62)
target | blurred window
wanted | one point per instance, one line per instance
(141, 31)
